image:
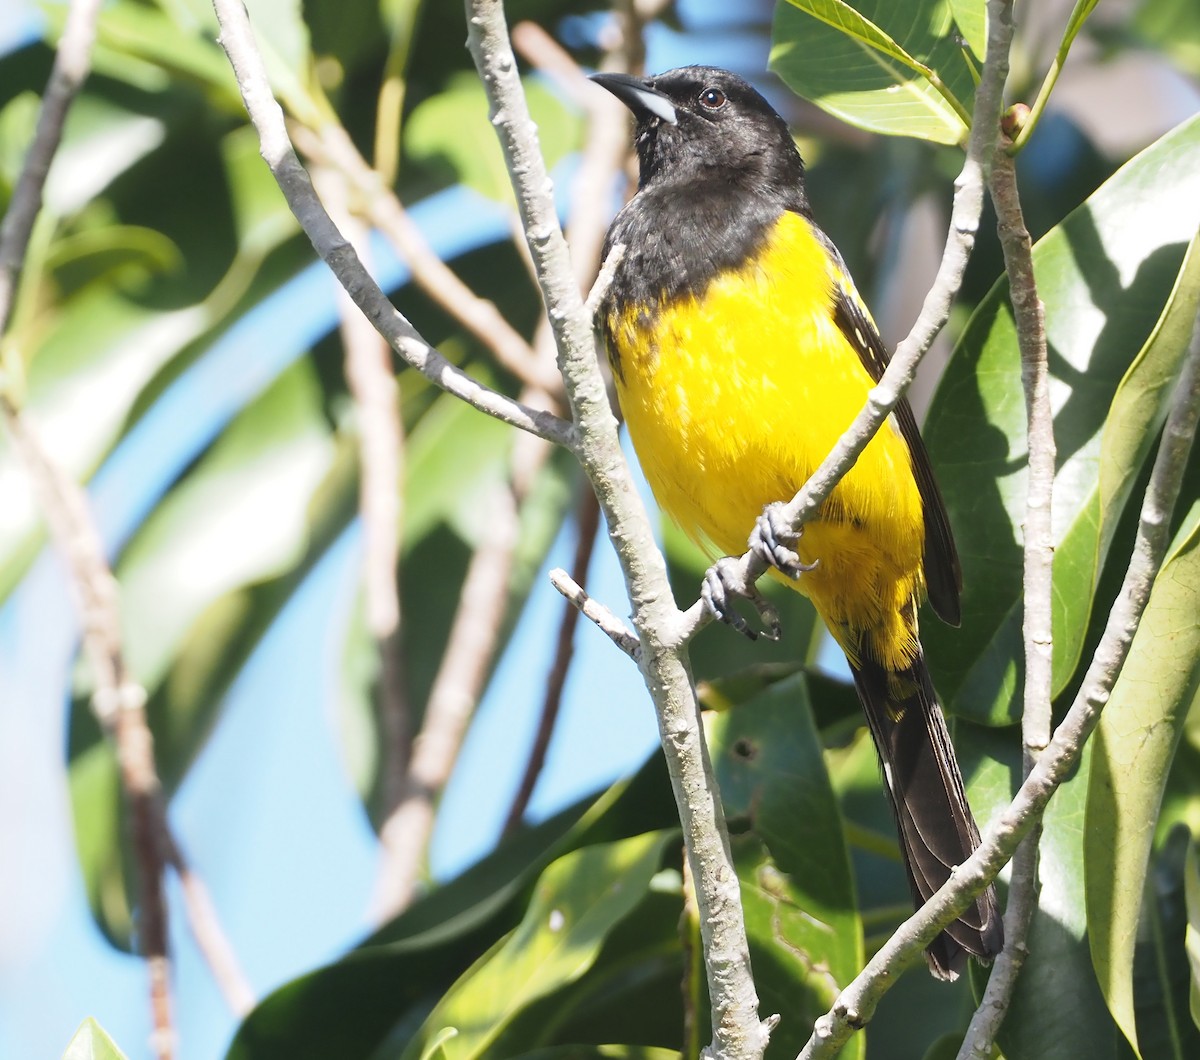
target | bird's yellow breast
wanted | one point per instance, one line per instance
(734, 397)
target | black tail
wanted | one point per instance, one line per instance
(925, 788)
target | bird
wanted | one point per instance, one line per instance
(741, 351)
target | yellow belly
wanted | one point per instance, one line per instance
(734, 399)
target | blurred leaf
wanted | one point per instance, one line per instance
(886, 66)
(578, 900)
(87, 373)
(92, 1043)
(602, 1052)
(18, 121)
(112, 252)
(453, 127)
(1105, 275)
(1057, 1011)
(237, 519)
(453, 457)
(1173, 26)
(797, 889)
(1132, 753)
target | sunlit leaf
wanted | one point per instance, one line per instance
(578, 900)
(1105, 275)
(1133, 748)
(92, 1043)
(894, 68)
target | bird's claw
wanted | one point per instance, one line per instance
(722, 582)
(772, 540)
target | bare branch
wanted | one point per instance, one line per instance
(856, 1004)
(238, 41)
(587, 520)
(118, 701)
(72, 64)
(332, 146)
(1038, 590)
(456, 691)
(737, 1030)
(608, 623)
(381, 453)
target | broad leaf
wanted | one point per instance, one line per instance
(893, 68)
(1105, 275)
(1057, 1011)
(1133, 748)
(578, 900)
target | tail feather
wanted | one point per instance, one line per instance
(937, 831)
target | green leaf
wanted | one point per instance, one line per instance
(892, 68)
(1105, 275)
(1057, 1011)
(970, 16)
(453, 127)
(578, 900)
(237, 519)
(92, 1043)
(393, 979)
(1133, 749)
(797, 888)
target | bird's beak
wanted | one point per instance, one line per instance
(639, 96)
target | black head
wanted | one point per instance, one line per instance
(699, 122)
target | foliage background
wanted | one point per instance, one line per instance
(185, 361)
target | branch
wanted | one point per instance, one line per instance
(742, 573)
(72, 64)
(587, 521)
(332, 146)
(737, 1030)
(608, 623)
(237, 39)
(1036, 721)
(856, 1004)
(381, 453)
(118, 701)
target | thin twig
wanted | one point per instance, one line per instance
(883, 398)
(587, 521)
(237, 39)
(209, 935)
(72, 64)
(332, 146)
(737, 1029)
(1036, 720)
(856, 1004)
(118, 701)
(608, 623)
(381, 452)
(457, 687)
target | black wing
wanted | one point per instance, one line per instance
(943, 575)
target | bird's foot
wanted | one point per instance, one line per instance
(724, 581)
(772, 540)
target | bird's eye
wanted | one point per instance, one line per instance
(712, 99)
